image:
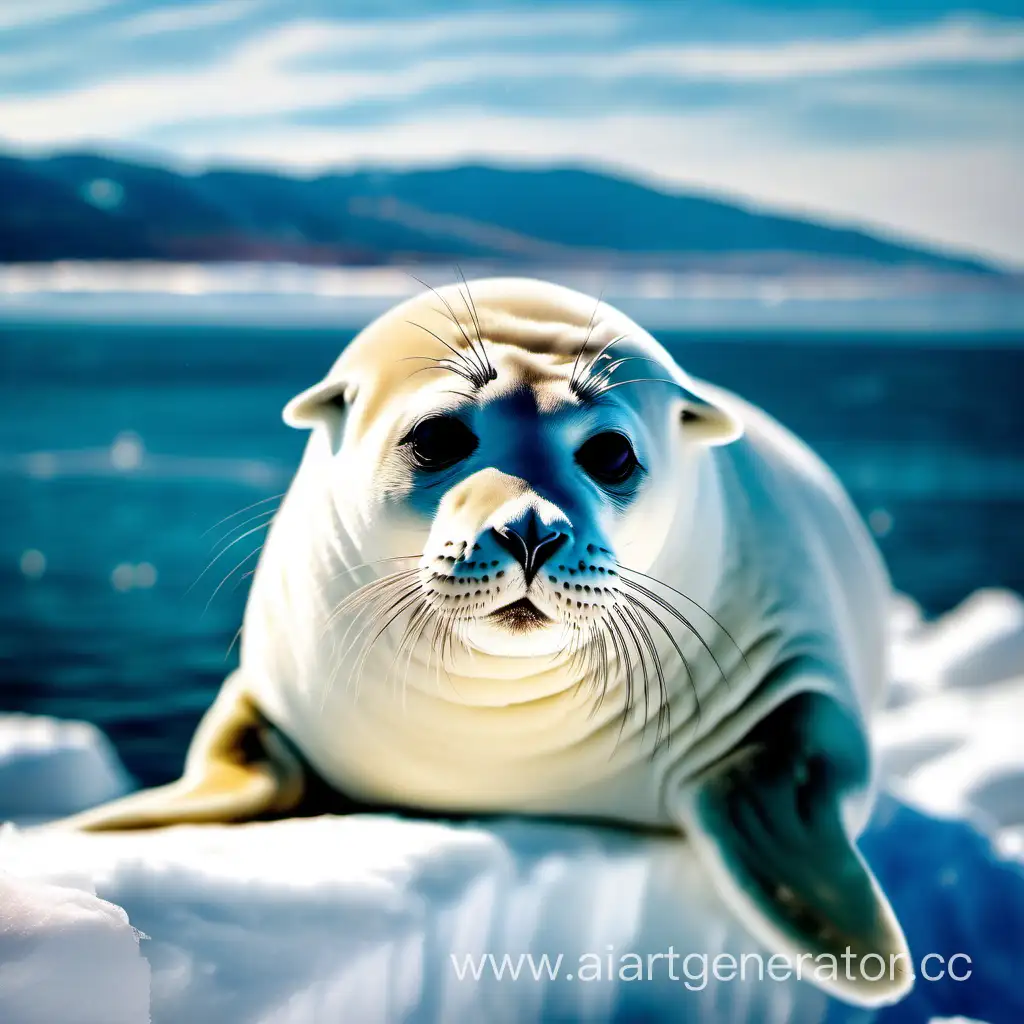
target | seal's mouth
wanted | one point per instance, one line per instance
(520, 615)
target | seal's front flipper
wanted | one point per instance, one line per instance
(239, 768)
(768, 822)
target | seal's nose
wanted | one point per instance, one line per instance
(530, 542)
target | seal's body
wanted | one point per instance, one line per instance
(528, 565)
(778, 558)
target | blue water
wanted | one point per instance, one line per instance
(123, 445)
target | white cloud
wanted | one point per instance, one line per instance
(261, 77)
(957, 41)
(304, 36)
(27, 13)
(449, 37)
(178, 18)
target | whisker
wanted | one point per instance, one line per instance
(599, 645)
(395, 610)
(427, 613)
(637, 603)
(369, 597)
(599, 378)
(373, 601)
(448, 367)
(602, 642)
(640, 380)
(451, 312)
(255, 551)
(411, 627)
(652, 649)
(619, 640)
(367, 592)
(433, 359)
(677, 614)
(451, 633)
(471, 309)
(438, 632)
(577, 655)
(697, 605)
(234, 640)
(221, 554)
(267, 515)
(418, 608)
(442, 636)
(643, 666)
(621, 655)
(375, 561)
(374, 594)
(459, 627)
(471, 367)
(594, 666)
(563, 638)
(241, 579)
(586, 340)
(580, 385)
(641, 607)
(604, 349)
(487, 371)
(262, 501)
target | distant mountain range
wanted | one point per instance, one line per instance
(82, 206)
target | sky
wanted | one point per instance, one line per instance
(905, 118)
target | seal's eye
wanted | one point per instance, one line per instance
(608, 457)
(440, 442)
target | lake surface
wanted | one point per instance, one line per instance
(121, 446)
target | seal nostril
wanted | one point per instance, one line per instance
(512, 543)
(546, 549)
(529, 549)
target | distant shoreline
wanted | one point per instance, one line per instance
(281, 294)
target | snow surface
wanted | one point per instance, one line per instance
(50, 768)
(952, 739)
(67, 956)
(355, 919)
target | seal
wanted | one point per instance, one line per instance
(528, 565)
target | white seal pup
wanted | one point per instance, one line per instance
(527, 565)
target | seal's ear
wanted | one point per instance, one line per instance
(768, 823)
(325, 400)
(708, 422)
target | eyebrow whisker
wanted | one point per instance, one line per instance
(586, 341)
(470, 305)
(466, 369)
(484, 367)
(586, 385)
(471, 309)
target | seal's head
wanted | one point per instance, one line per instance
(523, 441)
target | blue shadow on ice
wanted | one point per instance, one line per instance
(953, 894)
